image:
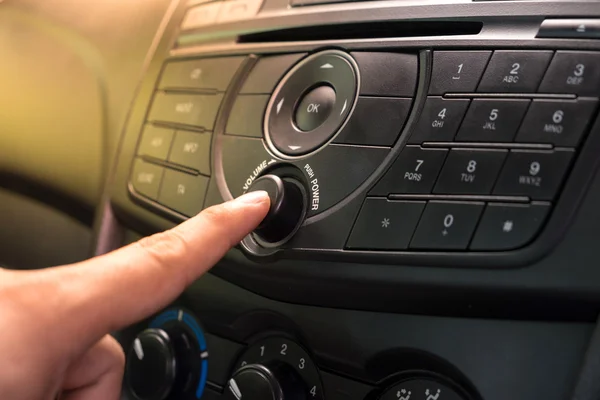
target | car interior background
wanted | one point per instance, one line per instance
(432, 165)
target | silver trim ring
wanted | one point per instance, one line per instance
(270, 146)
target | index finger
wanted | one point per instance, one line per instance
(115, 290)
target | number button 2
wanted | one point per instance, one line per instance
(515, 71)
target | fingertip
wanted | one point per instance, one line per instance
(257, 197)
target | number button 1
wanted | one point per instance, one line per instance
(457, 71)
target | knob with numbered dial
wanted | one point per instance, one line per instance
(272, 381)
(275, 369)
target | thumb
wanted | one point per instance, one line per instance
(120, 288)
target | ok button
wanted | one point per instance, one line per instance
(314, 108)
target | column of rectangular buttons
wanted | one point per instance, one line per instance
(205, 81)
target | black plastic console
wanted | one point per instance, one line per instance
(442, 158)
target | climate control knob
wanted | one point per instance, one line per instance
(151, 365)
(274, 381)
(287, 212)
(168, 360)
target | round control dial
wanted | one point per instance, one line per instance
(277, 362)
(273, 381)
(168, 360)
(151, 365)
(287, 211)
(311, 104)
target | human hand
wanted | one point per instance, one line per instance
(55, 321)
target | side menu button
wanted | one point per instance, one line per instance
(183, 193)
(146, 178)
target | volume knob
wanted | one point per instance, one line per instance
(287, 211)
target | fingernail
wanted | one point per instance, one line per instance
(257, 197)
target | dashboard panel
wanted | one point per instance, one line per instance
(432, 167)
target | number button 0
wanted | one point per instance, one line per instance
(448, 221)
(446, 225)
